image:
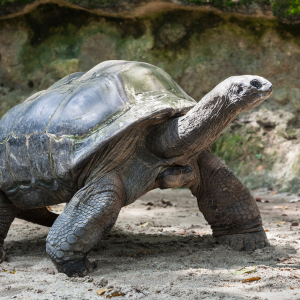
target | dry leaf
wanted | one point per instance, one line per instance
(295, 224)
(221, 285)
(295, 274)
(4, 270)
(144, 252)
(282, 259)
(181, 232)
(251, 279)
(291, 288)
(260, 168)
(102, 291)
(259, 199)
(90, 290)
(294, 200)
(267, 230)
(115, 294)
(144, 225)
(280, 223)
(13, 272)
(246, 270)
(274, 193)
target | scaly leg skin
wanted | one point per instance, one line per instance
(8, 212)
(41, 216)
(90, 214)
(228, 205)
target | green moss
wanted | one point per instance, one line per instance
(287, 9)
(242, 152)
(57, 47)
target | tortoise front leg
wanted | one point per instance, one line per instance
(228, 205)
(90, 214)
(8, 212)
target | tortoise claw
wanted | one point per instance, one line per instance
(75, 268)
(245, 241)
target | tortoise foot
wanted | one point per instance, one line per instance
(245, 241)
(75, 268)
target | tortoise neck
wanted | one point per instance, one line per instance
(198, 129)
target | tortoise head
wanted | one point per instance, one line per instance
(243, 92)
(202, 125)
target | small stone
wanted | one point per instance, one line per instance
(102, 282)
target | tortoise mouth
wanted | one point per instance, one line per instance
(263, 93)
(259, 96)
(255, 98)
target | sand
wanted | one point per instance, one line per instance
(162, 251)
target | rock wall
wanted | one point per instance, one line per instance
(198, 48)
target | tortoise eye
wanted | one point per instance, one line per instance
(256, 83)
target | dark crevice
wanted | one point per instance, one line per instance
(269, 128)
(30, 84)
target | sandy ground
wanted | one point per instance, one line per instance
(162, 251)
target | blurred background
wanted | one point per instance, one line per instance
(198, 42)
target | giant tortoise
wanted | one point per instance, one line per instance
(99, 140)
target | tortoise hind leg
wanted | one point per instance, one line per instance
(228, 205)
(41, 216)
(8, 212)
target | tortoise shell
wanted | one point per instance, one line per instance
(47, 140)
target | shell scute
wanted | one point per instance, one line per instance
(90, 104)
(40, 157)
(37, 113)
(18, 159)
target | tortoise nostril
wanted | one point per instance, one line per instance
(271, 88)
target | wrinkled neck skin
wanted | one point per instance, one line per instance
(198, 129)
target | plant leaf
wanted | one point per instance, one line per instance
(247, 270)
(101, 292)
(144, 225)
(280, 223)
